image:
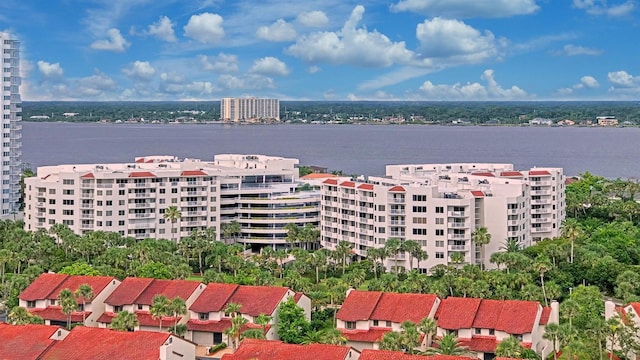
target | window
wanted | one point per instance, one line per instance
(67, 212)
(439, 209)
(31, 304)
(67, 202)
(375, 323)
(162, 191)
(203, 316)
(140, 307)
(109, 202)
(419, 209)
(381, 208)
(67, 182)
(108, 213)
(419, 231)
(121, 223)
(120, 192)
(388, 323)
(121, 212)
(439, 243)
(121, 202)
(492, 332)
(419, 220)
(478, 331)
(174, 191)
(419, 197)
(117, 309)
(381, 219)
(381, 230)
(350, 325)
(67, 192)
(52, 302)
(439, 232)
(439, 255)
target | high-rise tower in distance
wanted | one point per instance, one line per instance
(247, 109)
(11, 127)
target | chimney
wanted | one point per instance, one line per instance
(609, 309)
(554, 316)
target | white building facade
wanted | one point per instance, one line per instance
(440, 206)
(11, 127)
(244, 109)
(257, 191)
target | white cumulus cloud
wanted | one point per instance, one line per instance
(115, 42)
(314, 18)
(602, 7)
(140, 71)
(471, 91)
(96, 86)
(455, 41)
(205, 28)
(163, 29)
(269, 66)
(623, 79)
(589, 82)
(468, 9)
(219, 63)
(49, 70)
(351, 45)
(278, 31)
(248, 82)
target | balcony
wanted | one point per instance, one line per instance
(457, 247)
(396, 200)
(87, 206)
(540, 192)
(458, 236)
(541, 211)
(540, 229)
(457, 214)
(86, 216)
(141, 216)
(542, 201)
(540, 183)
(397, 222)
(397, 211)
(457, 225)
(40, 204)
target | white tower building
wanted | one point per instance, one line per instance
(11, 128)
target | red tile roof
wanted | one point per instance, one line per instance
(539, 173)
(366, 187)
(55, 313)
(256, 300)
(42, 287)
(488, 174)
(331, 182)
(457, 313)
(193, 173)
(169, 288)
(87, 176)
(348, 184)
(214, 298)
(139, 174)
(373, 335)
(218, 326)
(517, 316)
(145, 319)
(128, 291)
(511, 174)
(401, 307)
(251, 349)
(25, 342)
(477, 193)
(636, 307)
(487, 314)
(359, 305)
(104, 344)
(139, 160)
(480, 343)
(97, 283)
(397, 188)
(544, 318)
(368, 354)
(314, 176)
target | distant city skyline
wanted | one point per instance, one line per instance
(326, 50)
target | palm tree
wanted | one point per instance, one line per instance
(342, 251)
(253, 334)
(177, 307)
(68, 304)
(21, 316)
(428, 327)
(293, 234)
(374, 254)
(317, 259)
(393, 246)
(263, 320)
(551, 333)
(172, 214)
(457, 257)
(448, 345)
(231, 230)
(542, 265)
(124, 321)
(411, 247)
(572, 230)
(511, 245)
(237, 323)
(481, 237)
(85, 292)
(509, 348)
(159, 308)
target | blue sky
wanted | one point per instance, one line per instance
(327, 49)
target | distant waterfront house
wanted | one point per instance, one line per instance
(135, 295)
(41, 297)
(366, 316)
(481, 324)
(607, 121)
(208, 320)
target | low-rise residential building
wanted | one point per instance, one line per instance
(208, 320)
(28, 342)
(440, 206)
(481, 324)
(135, 295)
(94, 343)
(251, 349)
(369, 354)
(257, 191)
(41, 297)
(366, 316)
(607, 120)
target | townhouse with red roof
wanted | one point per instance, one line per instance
(208, 320)
(135, 295)
(365, 316)
(28, 342)
(369, 354)
(251, 349)
(41, 297)
(481, 324)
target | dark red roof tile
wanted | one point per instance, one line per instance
(141, 174)
(87, 176)
(42, 287)
(55, 313)
(457, 313)
(373, 335)
(368, 354)
(511, 174)
(359, 305)
(214, 298)
(480, 343)
(348, 184)
(251, 349)
(488, 174)
(366, 187)
(397, 189)
(104, 344)
(477, 193)
(256, 300)
(25, 342)
(331, 182)
(397, 307)
(169, 288)
(193, 173)
(128, 291)
(544, 318)
(539, 173)
(97, 283)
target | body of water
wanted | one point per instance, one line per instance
(355, 149)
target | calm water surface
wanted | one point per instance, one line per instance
(359, 149)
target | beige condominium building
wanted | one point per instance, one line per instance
(440, 206)
(249, 109)
(11, 128)
(259, 192)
